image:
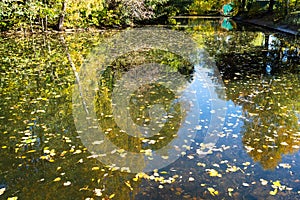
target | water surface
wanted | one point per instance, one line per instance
(245, 81)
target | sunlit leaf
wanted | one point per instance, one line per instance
(213, 173)
(57, 179)
(246, 184)
(277, 183)
(2, 190)
(128, 184)
(191, 179)
(98, 192)
(285, 165)
(230, 190)
(263, 182)
(12, 198)
(95, 168)
(212, 191)
(274, 192)
(67, 183)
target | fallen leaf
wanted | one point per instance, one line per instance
(263, 182)
(98, 192)
(57, 179)
(212, 191)
(2, 190)
(273, 192)
(67, 183)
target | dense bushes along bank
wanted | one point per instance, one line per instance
(28, 15)
(56, 14)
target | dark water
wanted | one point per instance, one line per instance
(205, 109)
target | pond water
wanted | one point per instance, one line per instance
(205, 109)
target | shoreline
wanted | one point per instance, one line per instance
(280, 28)
(260, 22)
(267, 24)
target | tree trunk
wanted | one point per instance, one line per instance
(271, 5)
(77, 78)
(242, 6)
(287, 7)
(61, 19)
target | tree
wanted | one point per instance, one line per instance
(271, 5)
(62, 16)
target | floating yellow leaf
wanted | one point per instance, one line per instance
(78, 151)
(212, 191)
(98, 192)
(277, 183)
(2, 190)
(263, 182)
(135, 179)
(95, 168)
(246, 163)
(284, 143)
(253, 114)
(12, 198)
(230, 190)
(232, 168)
(201, 164)
(191, 179)
(63, 153)
(285, 165)
(246, 184)
(111, 196)
(273, 192)
(43, 157)
(67, 183)
(40, 111)
(57, 179)
(128, 184)
(213, 173)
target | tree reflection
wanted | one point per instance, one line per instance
(142, 102)
(271, 125)
(260, 72)
(40, 148)
(270, 103)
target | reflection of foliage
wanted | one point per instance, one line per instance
(258, 57)
(271, 107)
(210, 34)
(147, 96)
(118, 136)
(270, 104)
(142, 100)
(39, 143)
(175, 62)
